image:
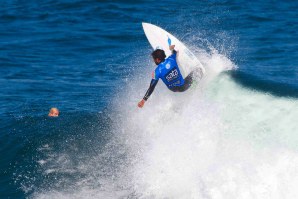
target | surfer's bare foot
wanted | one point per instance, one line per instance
(141, 103)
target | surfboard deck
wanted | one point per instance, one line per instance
(159, 38)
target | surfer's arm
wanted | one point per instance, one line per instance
(150, 89)
(148, 93)
(172, 49)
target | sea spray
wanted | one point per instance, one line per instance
(216, 141)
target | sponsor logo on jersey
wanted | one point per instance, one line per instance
(173, 74)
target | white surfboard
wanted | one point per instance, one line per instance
(159, 38)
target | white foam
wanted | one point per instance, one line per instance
(219, 141)
(212, 149)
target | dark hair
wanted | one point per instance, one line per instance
(158, 53)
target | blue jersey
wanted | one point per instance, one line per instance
(169, 72)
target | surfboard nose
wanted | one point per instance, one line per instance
(144, 24)
(148, 25)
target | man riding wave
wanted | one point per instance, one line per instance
(168, 71)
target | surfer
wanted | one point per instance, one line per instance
(54, 112)
(168, 71)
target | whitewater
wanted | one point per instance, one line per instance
(218, 140)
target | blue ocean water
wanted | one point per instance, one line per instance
(86, 56)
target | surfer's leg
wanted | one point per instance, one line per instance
(189, 80)
(196, 74)
(182, 88)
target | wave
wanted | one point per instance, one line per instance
(218, 140)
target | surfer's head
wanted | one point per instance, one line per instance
(158, 56)
(54, 112)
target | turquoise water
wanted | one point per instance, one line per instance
(234, 136)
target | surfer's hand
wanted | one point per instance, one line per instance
(141, 103)
(171, 47)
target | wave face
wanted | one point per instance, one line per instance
(219, 140)
(234, 135)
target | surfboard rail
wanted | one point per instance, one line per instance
(159, 38)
